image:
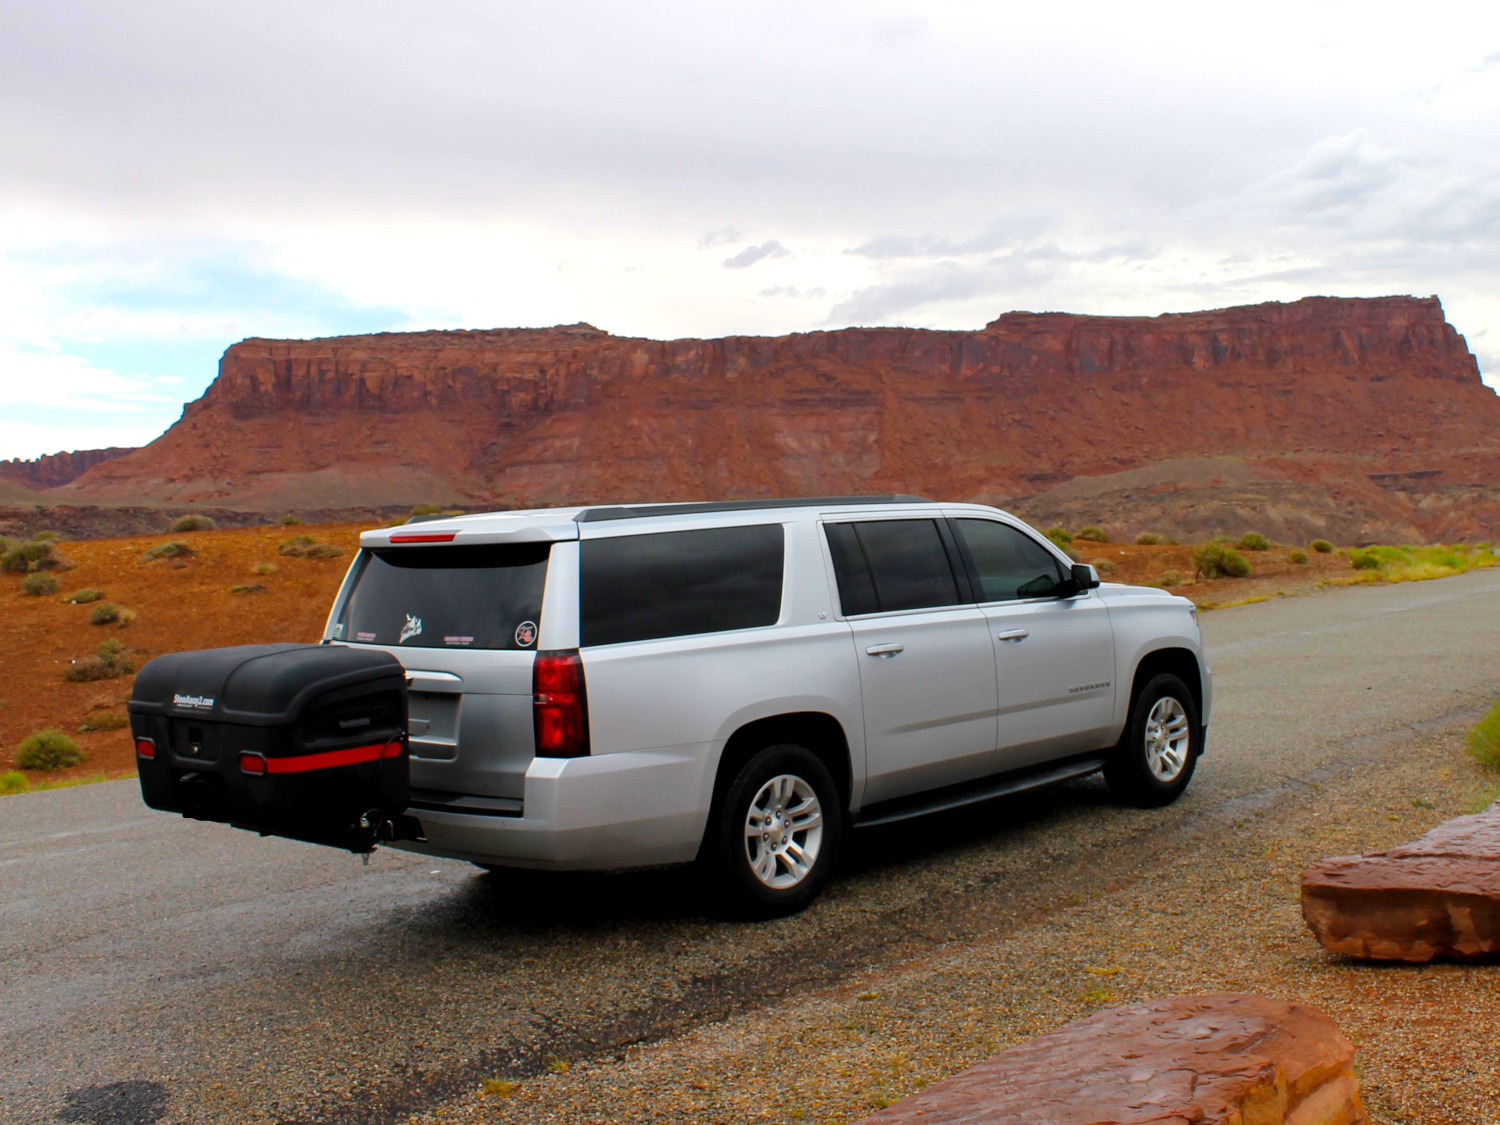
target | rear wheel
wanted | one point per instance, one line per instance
(777, 832)
(1155, 759)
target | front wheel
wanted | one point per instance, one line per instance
(777, 833)
(1155, 759)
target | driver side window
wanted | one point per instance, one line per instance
(1010, 564)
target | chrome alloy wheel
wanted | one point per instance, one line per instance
(1168, 739)
(783, 831)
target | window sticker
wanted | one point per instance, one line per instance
(412, 628)
(458, 641)
(526, 634)
(364, 637)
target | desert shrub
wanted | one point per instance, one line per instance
(1364, 560)
(85, 596)
(39, 585)
(192, 522)
(1104, 566)
(322, 551)
(433, 510)
(295, 547)
(264, 568)
(1322, 546)
(127, 618)
(1059, 536)
(1218, 560)
(48, 750)
(104, 613)
(109, 720)
(1299, 557)
(29, 556)
(1148, 539)
(13, 781)
(46, 537)
(1253, 541)
(107, 662)
(1092, 535)
(1169, 579)
(289, 520)
(248, 588)
(1484, 739)
(172, 549)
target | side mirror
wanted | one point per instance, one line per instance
(1085, 577)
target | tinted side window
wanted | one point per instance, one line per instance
(676, 583)
(856, 591)
(1010, 564)
(907, 566)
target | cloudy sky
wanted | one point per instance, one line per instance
(177, 176)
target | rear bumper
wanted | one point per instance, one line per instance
(630, 809)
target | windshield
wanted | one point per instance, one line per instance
(446, 597)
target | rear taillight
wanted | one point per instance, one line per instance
(145, 748)
(559, 705)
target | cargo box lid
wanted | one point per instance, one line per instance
(258, 685)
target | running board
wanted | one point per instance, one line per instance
(1002, 788)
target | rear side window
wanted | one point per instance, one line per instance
(1009, 563)
(886, 565)
(447, 597)
(678, 583)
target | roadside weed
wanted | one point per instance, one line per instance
(48, 750)
(499, 1087)
(13, 781)
(1218, 560)
(1484, 739)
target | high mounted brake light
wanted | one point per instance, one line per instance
(425, 537)
(559, 705)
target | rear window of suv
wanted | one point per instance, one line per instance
(447, 597)
(678, 583)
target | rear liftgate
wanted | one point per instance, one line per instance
(303, 741)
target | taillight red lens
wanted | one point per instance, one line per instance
(145, 748)
(560, 705)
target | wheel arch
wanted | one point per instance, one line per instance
(1180, 662)
(817, 731)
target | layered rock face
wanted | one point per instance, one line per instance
(57, 468)
(1217, 1060)
(1351, 414)
(1438, 896)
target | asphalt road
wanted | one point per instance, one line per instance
(158, 969)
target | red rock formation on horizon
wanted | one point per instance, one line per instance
(1362, 418)
(53, 469)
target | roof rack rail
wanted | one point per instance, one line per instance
(642, 511)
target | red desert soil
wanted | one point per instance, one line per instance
(188, 604)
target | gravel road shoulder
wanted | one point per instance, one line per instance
(1185, 919)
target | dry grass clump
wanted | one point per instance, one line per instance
(171, 550)
(1384, 563)
(104, 613)
(1169, 579)
(1298, 557)
(1484, 739)
(1253, 541)
(1092, 534)
(39, 585)
(109, 720)
(192, 522)
(108, 662)
(31, 556)
(304, 547)
(1220, 560)
(289, 520)
(1148, 539)
(13, 781)
(85, 596)
(1322, 546)
(48, 750)
(248, 588)
(264, 568)
(1059, 536)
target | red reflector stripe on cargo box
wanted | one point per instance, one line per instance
(429, 537)
(329, 759)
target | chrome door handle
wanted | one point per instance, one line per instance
(887, 651)
(1014, 636)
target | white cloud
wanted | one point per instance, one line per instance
(752, 254)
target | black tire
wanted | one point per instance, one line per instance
(727, 856)
(1129, 773)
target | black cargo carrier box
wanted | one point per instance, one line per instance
(303, 741)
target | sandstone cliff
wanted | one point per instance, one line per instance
(1360, 418)
(54, 469)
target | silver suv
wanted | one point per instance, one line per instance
(739, 683)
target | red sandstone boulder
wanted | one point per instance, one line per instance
(1438, 896)
(1187, 1060)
